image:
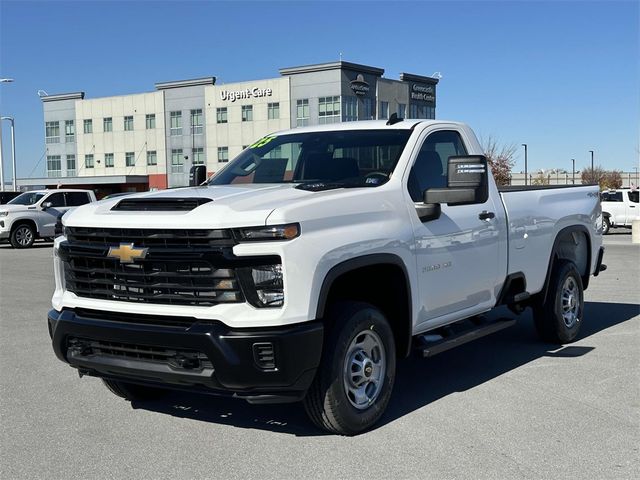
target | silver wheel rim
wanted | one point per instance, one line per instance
(570, 302)
(364, 369)
(24, 236)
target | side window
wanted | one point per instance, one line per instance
(615, 197)
(56, 199)
(75, 199)
(633, 196)
(430, 167)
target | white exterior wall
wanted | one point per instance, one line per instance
(236, 133)
(139, 140)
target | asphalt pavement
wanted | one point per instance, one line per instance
(506, 406)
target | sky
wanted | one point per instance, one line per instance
(562, 77)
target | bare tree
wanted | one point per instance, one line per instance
(541, 179)
(594, 176)
(500, 158)
(613, 179)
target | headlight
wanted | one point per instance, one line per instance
(264, 286)
(275, 232)
(4, 214)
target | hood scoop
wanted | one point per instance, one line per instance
(160, 204)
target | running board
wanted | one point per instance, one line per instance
(432, 344)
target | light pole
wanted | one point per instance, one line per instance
(573, 171)
(636, 169)
(591, 152)
(2, 80)
(525, 163)
(13, 150)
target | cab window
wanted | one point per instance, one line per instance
(56, 199)
(633, 196)
(430, 167)
(75, 199)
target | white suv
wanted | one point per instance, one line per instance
(619, 207)
(34, 214)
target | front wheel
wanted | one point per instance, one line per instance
(558, 319)
(354, 381)
(22, 236)
(606, 225)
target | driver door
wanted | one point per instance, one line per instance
(47, 218)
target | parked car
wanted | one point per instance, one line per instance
(619, 207)
(34, 214)
(7, 196)
(312, 262)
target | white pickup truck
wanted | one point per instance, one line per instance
(619, 207)
(34, 214)
(311, 262)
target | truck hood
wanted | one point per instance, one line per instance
(17, 208)
(231, 206)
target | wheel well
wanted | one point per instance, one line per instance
(573, 244)
(384, 286)
(25, 221)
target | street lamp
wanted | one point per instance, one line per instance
(2, 80)
(591, 152)
(525, 162)
(573, 171)
(13, 150)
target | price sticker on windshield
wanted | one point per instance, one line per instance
(262, 142)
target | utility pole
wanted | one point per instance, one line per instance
(525, 163)
(13, 151)
(573, 171)
(2, 80)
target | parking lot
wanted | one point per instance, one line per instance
(506, 406)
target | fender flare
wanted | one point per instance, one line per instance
(552, 257)
(365, 261)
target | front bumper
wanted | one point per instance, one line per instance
(205, 356)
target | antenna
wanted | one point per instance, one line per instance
(437, 75)
(42, 93)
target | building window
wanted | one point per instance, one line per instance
(152, 157)
(52, 132)
(177, 162)
(130, 159)
(128, 123)
(247, 113)
(367, 109)
(221, 115)
(88, 126)
(108, 160)
(350, 109)
(273, 111)
(150, 121)
(196, 121)
(328, 110)
(384, 110)
(107, 124)
(69, 131)
(198, 156)
(414, 111)
(223, 154)
(402, 110)
(54, 166)
(71, 165)
(176, 123)
(88, 161)
(302, 112)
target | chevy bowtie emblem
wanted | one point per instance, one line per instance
(127, 252)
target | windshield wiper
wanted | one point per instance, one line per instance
(319, 186)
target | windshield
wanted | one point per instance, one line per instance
(318, 160)
(26, 198)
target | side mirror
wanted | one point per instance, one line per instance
(197, 175)
(467, 182)
(46, 205)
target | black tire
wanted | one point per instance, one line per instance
(558, 320)
(131, 391)
(606, 225)
(330, 402)
(22, 236)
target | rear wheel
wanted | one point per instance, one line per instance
(131, 391)
(354, 382)
(23, 236)
(559, 318)
(606, 225)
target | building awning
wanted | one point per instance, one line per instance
(88, 180)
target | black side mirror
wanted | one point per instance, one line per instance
(467, 182)
(197, 175)
(46, 205)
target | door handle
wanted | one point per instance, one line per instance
(632, 206)
(484, 215)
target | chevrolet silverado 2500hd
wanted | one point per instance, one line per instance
(311, 262)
